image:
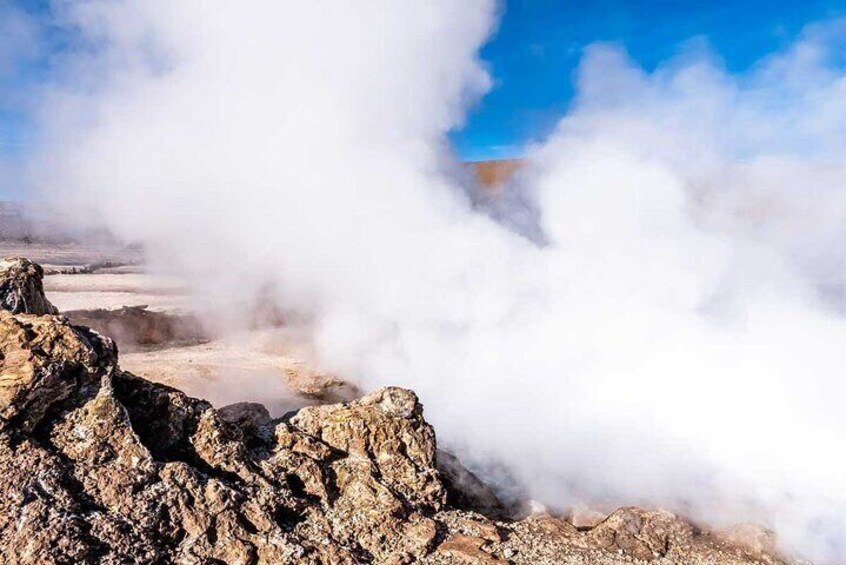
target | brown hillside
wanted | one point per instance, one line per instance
(494, 173)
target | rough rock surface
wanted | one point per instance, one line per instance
(318, 384)
(100, 466)
(22, 289)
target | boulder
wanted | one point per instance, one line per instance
(22, 288)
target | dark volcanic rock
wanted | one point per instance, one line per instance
(100, 466)
(466, 490)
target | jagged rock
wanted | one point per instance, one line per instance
(755, 539)
(585, 518)
(465, 490)
(319, 385)
(100, 466)
(386, 431)
(251, 418)
(45, 360)
(22, 289)
(645, 535)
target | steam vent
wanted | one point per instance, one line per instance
(100, 466)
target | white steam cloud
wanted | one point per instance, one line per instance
(676, 341)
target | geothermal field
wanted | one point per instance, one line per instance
(290, 477)
(162, 333)
(483, 282)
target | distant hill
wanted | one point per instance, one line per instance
(495, 172)
(35, 223)
(13, 225)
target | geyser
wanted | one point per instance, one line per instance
(674, 338)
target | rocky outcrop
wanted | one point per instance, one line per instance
(21, 288)
(100, 466)
(46, 361)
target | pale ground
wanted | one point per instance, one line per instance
(111, 290)
(50, 255)
(258, 366)
(253, 366)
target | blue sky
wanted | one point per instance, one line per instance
(531, 58)
(27, 42)
(539, 43)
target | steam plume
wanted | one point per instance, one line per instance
(673, 338)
